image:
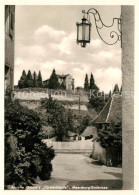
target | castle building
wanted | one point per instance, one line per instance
(64, 80)
(9, 46)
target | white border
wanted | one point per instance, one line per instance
(136, 131)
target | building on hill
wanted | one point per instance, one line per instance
(66, 82)
(110, 114)
(9, 46)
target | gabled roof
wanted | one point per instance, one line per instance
(112, 111)
(89, 131)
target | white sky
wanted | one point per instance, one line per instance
(45, 38)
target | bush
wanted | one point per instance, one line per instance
(98, 100)
(111, 135)
(110, 138)
(56, 118)
(26, 157)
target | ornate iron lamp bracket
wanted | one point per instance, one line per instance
(115, 35)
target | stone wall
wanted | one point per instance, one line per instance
(128, 100)
(75, 145)
(36, 95)
(9, 47)
(36, 104)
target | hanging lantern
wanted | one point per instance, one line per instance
(83, 32)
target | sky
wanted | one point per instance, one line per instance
(45, 38)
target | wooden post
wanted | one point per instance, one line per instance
(79, 104)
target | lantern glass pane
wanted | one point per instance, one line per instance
(86, 33)
(80, 33)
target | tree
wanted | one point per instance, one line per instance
(86, 83)
(39, 80)
(29, 79)
(82, 123)
(63, 86)
(35, 83)
(22, 81)
(24, 73)
(110, 138)
(29, 156)
(20, 84)
(56, 117)
(29, 75)
(70, 121)
(53, 81)
(92, 82)
(110, 94)
(97, 100)
(116, 89)
(96, 88)
(111, 135)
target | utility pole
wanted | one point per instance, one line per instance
(79, 103)
(49, 93)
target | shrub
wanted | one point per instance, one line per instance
(111, 135)
(26, 157)
(110, 138)
(56, 117)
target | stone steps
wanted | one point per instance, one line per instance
(75, 151)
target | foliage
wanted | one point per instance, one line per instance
(63, 120)
(29, 75)
(26, 157)
(35, 83)
(110, 94)
(70, 120)
(81, 123)
(111, 135)
(63, 86)
(29, 83)
(56, 117)
(110, 138)
(116, 89)
(53, 81)
(29, 80)
(39, 80)
(92, 82)
(47, 132)
(86, 83)
(98, 100)
(22, 81)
